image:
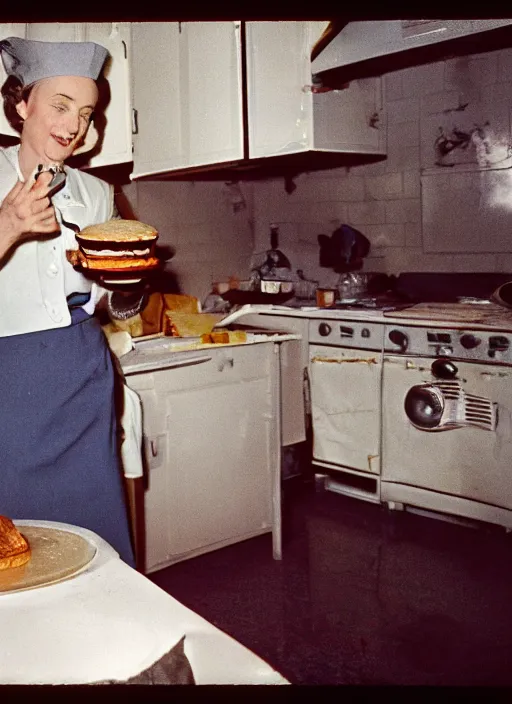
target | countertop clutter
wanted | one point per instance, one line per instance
(167, 352)
(171, 330)
(108, 624)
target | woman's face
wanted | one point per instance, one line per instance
(56, 117)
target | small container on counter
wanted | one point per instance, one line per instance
(220, 287)
(326, 297)
(269, 286)
(305, 289)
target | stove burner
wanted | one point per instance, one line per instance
(375, 303)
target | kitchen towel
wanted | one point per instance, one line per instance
(131, 421)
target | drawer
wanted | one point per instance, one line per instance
(227, 365)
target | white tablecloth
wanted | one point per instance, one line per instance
(110, 623)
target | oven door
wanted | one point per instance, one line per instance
(455, 450)
(345, 406)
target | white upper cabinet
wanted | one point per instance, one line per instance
(187, 95)
(9, 29)
(116, 146)
(348, 120)
(285, 115)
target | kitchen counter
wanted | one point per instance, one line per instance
(500, 317)
(169, 352)
(225, 407)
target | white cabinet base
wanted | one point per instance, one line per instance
(212, 443)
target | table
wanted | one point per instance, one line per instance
(110, 622)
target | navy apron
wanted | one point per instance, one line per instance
(59, 457)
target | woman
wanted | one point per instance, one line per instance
(58, 452)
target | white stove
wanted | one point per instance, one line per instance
(414, 407)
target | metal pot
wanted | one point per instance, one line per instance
(503, 295)
(361, 284)
(353, 284)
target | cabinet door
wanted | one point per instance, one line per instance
(211, 106)
(219, 464)
(348, 120)
(116, 147)
(294, 366)
(158, 144)
(187, 95)
(9, 29)
(156, 508)
(345, 405)
(278, 75)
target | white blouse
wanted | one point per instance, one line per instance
(37, 278)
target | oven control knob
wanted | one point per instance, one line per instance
(324, 329)
(444, 369)
(469, 342)
(399, 338)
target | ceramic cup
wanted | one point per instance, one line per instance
(325, 297)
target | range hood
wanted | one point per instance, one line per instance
(372, 48)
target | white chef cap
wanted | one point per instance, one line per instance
(30, 60)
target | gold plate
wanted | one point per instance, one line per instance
(57, 555)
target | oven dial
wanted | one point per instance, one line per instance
(324, 329)
(400, 339)
(469, 342)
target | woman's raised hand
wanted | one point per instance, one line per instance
(26, 211)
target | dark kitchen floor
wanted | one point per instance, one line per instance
(361, 596)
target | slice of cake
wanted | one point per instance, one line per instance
(14, 549)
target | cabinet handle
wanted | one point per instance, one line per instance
(227, 362)
(374, 120)
(154, 448)
(124, 48)
(135, 121)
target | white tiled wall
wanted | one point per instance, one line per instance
(212, 240)
(384, 200)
